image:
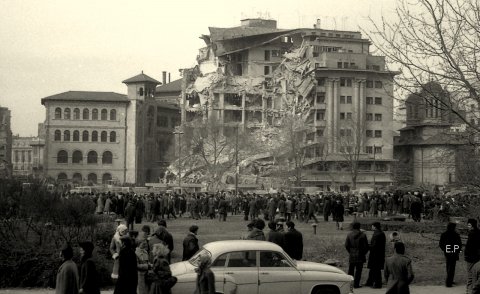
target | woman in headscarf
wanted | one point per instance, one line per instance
(161, 268)
(143, 266)
(205, 276)
(115, 247)
(88, 271)
(67, 276)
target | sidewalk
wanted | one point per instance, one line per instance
(458, 289)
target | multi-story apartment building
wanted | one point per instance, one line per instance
(22, 156)
(96, 137)
(5, 143)
(247, 75)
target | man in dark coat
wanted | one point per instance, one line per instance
(398, 271)
(130, 214)
(293, 241)
(88, 272)
(127, 269)
(190, 243)
(274, 236)
(357, 247)
(451, 244)
(161, 235)
(472, 250)
(376, 258)
(327, 208)
(222, 209)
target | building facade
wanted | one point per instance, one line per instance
(104, 137)
(248, 75)
(5, 143)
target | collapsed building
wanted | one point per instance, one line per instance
(249, 78)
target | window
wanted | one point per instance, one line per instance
(106, 178)
(113, 114)
(76, 113)
(62, 177)
(321, 81)
(85, 136)
(320, 132)
(62, 156)
(76, 136)
(66, 113)
(162, 121)
(77, 178)
(339, 64)
(345, 82)
(378, 150)
(267, 55)
(342, 99)
(58, 135)
(92, 178)
(242, 259)
(349, 99)
(107, 157)
(320, 115)
(369, 84)
(369, 100)
(349, 115)
(342, 133)
(113, 137)
(378, 117)
(103, 115)
(140, 92)
(368, 149)
(369, 133)
(348, 132)
(95, 114)
(369, 116)
(345, 64)
(66, 136)
(92, 157)
(103, 136)
(58, 113)
(378, 84)
(220, 261)
(266, 70)
(273, 259)
(342, 115)
(94, 136)
(378, 100)
(77, 157)
(378, 133)
(86, 113)
(320, 98)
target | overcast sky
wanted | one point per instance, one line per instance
(49, 47)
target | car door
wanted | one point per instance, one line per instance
(277, 275)
(218, 268)
(243, 270)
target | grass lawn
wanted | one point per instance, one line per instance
(428, 261)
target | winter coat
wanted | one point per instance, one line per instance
(277, 238)
(256, 234)
(450, 238)
(67, 278)
(294, 244)
(205, 282)
(161, 235)
(127, 272)
(89, 277)
(357, 246)
(338, 211)
(398, 273)
(281, 206)
(222, 206)
(376, 258)
(472, 248)
(162, 268)
(190, 246)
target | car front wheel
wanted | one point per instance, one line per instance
(325, 290)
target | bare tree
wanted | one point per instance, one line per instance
(439, 41)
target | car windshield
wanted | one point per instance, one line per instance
(195, 260)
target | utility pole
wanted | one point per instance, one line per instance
(236, 161)
(179, 133)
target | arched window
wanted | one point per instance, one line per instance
(86, 113)
(140, 92)
(76, 113)
(58, 135)
(104, 114)
(77, 157)
(58, 113)
(76, 136)
(66, 113)
(106, 177)
(92, 178)
(103, 136)
(85, 136)
(113, 137)
(94, 136)
(107, 157)
(62, 156)
(95, 114)
(77, 178)
(92, 157)
(62, 177)
(113, 114)
(66, 135)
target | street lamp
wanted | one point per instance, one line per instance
(179, 133)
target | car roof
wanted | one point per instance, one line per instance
(237, 245)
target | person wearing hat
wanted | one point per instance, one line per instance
(356, 244)
(274, 236)
(88, 271)
(257, 232)
(190, 243)
(376, 258)
(451, 244)
(293, 241)
(162, 235)
(127, 268)
(398, 271)
(115, 247)
(67, 276)
(472, 250)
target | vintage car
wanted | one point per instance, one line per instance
(251, 267)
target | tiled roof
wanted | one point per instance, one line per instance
(141, 78)
(87, 96)
(219, 34)
(175, 86)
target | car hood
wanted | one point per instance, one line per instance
(314, 266)
(181, 268)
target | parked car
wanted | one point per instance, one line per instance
(250, 267)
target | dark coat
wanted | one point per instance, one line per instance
(89, 277)
(162, 268)
(67, 278)
(256, 234)
(190, 246)
(450, 238)
(127, 272)
(205, 282)
(294, 244)
(472, 248)
(357, 246)
(222, 206)
(338, 211)
(376, 258)
(398, 273)
(161, 235)
(277, 238)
